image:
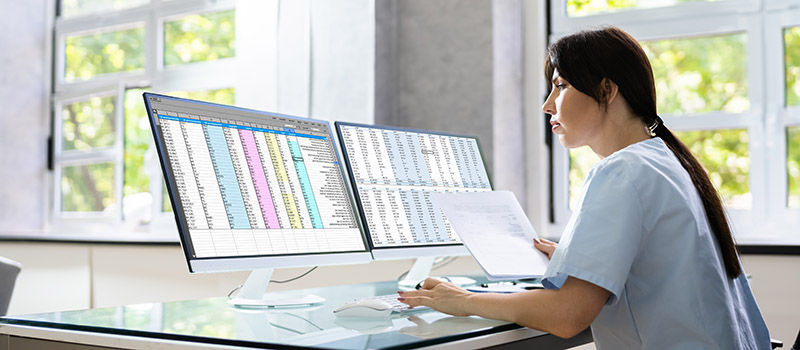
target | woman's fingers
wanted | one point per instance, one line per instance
(415, 301)
(438, 295)
(545, 246)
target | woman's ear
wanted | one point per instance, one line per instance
(609, 90)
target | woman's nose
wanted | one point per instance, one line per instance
(549, 107)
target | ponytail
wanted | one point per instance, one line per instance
(715, 213)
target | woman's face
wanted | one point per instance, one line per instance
(575, 116)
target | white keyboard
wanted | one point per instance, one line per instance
(397, 306)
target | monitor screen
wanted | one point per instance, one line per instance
(252, 189)
(394, 171)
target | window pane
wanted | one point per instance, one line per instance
(793, 165)
(199, 38)
(72, 8)
(701, 74)
(104, 52)
(138, 202)
(88, 124)
(577, 8)
(725, 155)
(137, 142)
(791, 39)
(87, 188)
(166, 206)
(580, 161)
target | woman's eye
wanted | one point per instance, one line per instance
(561, 86)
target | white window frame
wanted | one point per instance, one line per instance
(198, 76)
(778, 116)
(769, 221)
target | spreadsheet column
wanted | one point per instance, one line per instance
(300, 220)
(268, 163)
(244, 237)
(207, 185)
(184, 176)
(304, 181)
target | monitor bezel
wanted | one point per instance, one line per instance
(240, 263)
(408, 251)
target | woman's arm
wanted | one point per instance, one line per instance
(564, 312)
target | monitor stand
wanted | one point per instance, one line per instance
(422, 270)
(252, 294)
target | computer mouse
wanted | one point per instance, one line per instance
(364, 308)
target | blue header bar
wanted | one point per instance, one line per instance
(287, 131)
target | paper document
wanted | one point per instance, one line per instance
(496, 232)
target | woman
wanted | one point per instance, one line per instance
(647, 258)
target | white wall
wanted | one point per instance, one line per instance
(776, 285)
(23, 134)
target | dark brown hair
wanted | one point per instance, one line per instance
(585, 58)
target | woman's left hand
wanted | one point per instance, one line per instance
(440, 296)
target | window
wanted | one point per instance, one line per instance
(726, 76)
(106, 178)
(107, 53)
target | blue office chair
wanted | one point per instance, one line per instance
(9, 269)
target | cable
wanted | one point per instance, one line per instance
(445, 263)
(295, 278)
(274, 281)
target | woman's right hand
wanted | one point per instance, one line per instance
(545, 246)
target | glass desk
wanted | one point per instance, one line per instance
(213, 324)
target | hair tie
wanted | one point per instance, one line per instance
(652, 128)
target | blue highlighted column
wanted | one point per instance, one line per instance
(305, 184)
(462, 159)
(226, 177)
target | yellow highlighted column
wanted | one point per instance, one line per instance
(283, 180)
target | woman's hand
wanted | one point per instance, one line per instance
(545, 246)
(440, 296)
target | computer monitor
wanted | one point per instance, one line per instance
(253, 190)
(393, 172)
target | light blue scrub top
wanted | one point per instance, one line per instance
(640, 232)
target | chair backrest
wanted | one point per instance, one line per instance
(9, 269)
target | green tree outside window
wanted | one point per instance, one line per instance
(577, 8)
(725, 156)
(88, 124)
(793, 165)
(102, 53)
(703, 74)
(791, 42)
(87, 188)
(198, 38)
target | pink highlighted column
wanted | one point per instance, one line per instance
(259, 179)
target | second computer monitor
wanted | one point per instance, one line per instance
(394, 171)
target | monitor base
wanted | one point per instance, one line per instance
(252, 294)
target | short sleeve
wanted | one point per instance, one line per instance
(603, 235)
